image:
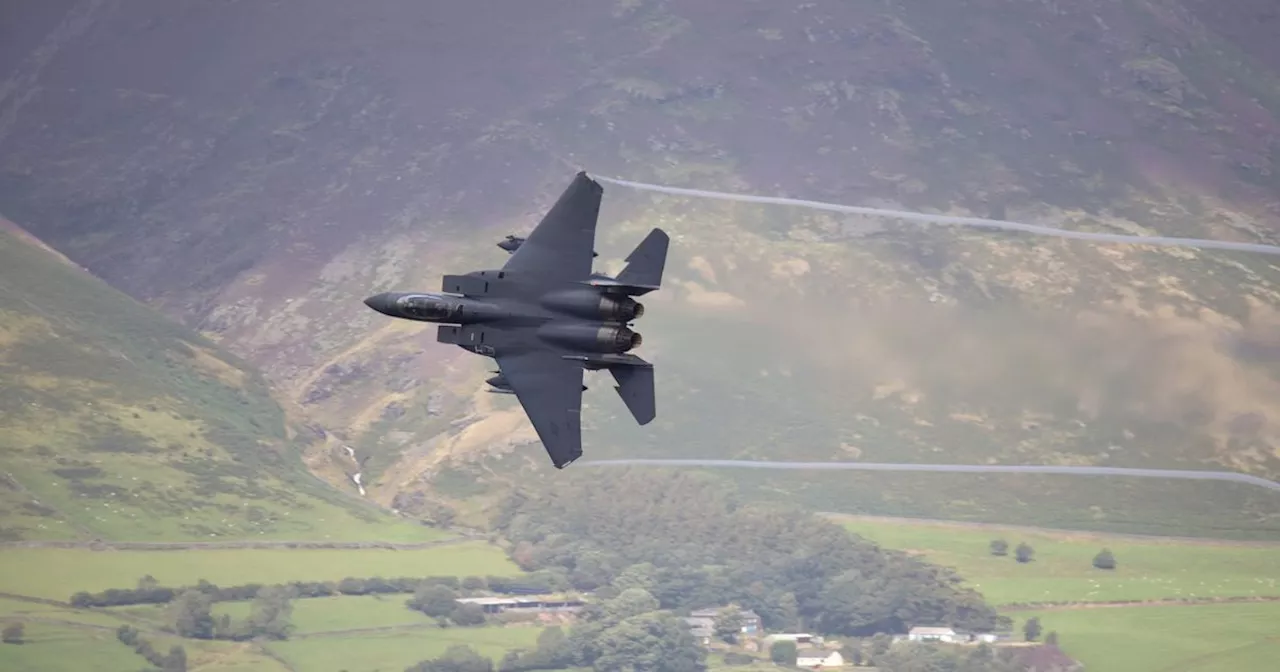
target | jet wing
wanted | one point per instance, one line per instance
(550, 390)
(561, 246)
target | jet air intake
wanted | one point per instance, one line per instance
(592, 305)
(590, 338)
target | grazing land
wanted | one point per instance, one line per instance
(1148, 568)
(1147, 636)
(390, 650)
(58, 573)
(330, 631)
(1186, 638)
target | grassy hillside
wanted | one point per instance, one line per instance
(380, 146)
(121, 424)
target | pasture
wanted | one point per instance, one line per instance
(394, 650)
(56, 573)
(330, 631)
(1187, 638)
(1148, 568)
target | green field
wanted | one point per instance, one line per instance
(1062, 570)
(330, 614)
(54, 647)
(1140, 638)
(58, 573)
(1187, 638)
(64, 638)
(394, 651)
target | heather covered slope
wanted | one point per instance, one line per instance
(282, 161)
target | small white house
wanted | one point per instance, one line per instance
(797, 637)
(927, 634)
(818, 658)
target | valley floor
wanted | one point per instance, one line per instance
(1152, 620)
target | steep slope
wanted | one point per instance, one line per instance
(281, 161)
(118, 423)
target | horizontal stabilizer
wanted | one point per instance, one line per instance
(595, 361)
(646, 263)
(635, 386)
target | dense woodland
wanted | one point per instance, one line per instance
(687, 540)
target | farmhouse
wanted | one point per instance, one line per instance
(818, 658)
(750, 620)
(797, 637)
(931, 634)
(525, 605)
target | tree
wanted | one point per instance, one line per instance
(1104, 559)
(270, 612)
(434, 600)
(652, 642)
(1024, 552)
(468, 615)
(641, 575)
(783, 652)
(1031, 630)
(176, 661)
(1051, 638)
(729, 625)
(474, 583)
(999, 547)
(191, 615)
(852, 654)
(456, 658)
(13, 633)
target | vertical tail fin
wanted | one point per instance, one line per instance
(646, 263)
(635, 386)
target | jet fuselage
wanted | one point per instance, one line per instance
(578, 317)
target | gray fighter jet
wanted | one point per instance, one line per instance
(545, 317)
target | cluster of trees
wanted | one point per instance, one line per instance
(174, 661)
(1023, 553)
(190, 614)
(457, 658)
(922, 657)
(684, 538)
(149, 591)
(1031, 631)
(441, 603)
(1105, 559)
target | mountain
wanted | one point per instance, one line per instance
(254, 169)
(121, 424)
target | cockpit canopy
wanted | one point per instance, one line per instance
(428, 307)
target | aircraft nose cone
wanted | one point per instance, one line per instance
(380, 302)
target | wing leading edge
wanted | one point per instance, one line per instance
(562, 245)
(550, 390)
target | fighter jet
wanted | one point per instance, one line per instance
(545, 317)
